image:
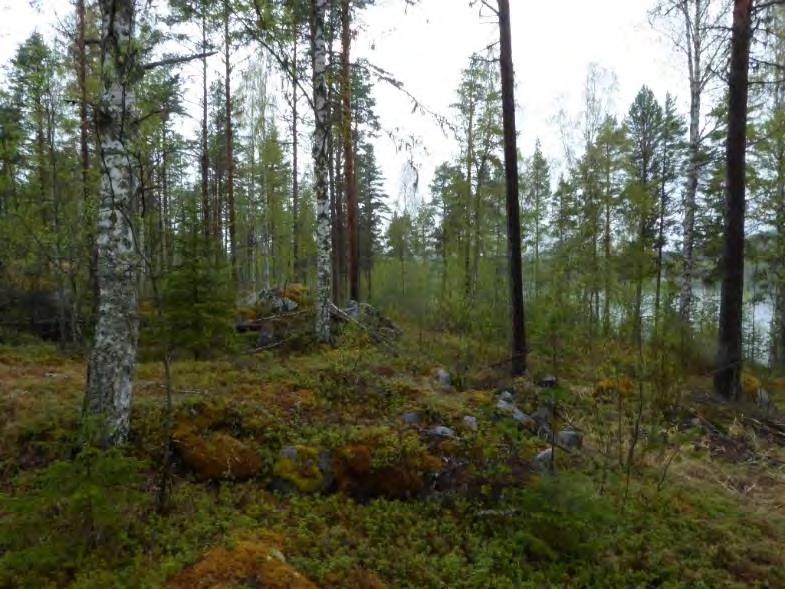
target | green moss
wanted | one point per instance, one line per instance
(302, 470)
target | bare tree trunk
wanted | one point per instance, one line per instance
(112, 362)
(513, 206)
(727, 377)
(321, 132)
(229, 147)
(204, 161)
(297, 270)
(694, 49)
(348, 153)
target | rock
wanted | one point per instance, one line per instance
(524, 420)
(543, 415)
(443, 377)
(442, 431)
(570, 439)
(411, 418)
(276, 301)
(505, 406)
(544, 460)
(548, 382)
(470, 422)
(371, 318)
(506, 396)
(302, 469)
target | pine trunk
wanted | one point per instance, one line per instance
(513, 207)
(727, 376)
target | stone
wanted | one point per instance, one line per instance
(470, 422)
(443, 377)
(506, 396)
(570, 439)
(544, 460)
(442, 431)
(543, 415)
(548, 382)
(411, 418)
(524, 420)
(276, 302)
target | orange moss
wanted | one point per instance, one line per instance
(216, 455)
(246, 313)
(612, 387)
(750, 387)
(362, 579)
(249, 563)
(296, 292)
(778, 385)
(356, 475)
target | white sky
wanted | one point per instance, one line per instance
(427, 46)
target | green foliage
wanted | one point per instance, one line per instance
(198, 299)
(60, 518)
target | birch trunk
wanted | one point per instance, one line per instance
(321, 132)
(229, 146)
(348, 153)
(112, 362)
(693, 46)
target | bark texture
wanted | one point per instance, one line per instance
(727, 376)
(350, 184)
(513, 207)
(112, 362)
(321, 132)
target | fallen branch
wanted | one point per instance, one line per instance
(374, 335)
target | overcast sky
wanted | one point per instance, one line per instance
(427, 46)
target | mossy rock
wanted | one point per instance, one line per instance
(302, 468)
(360, 473)
(247, 564)
(216, 455)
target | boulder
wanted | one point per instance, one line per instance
(411, 418)
(548, 382)
(443, 377)
(470, 423)
(274, 300)
(570, 439)
(302, 469)
(544, 460)
(441, 431)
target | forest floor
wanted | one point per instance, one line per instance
(355, 467)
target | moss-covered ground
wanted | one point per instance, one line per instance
(363, 498)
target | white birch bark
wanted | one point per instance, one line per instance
(321, 132)
(112, 361)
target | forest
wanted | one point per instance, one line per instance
(231, 356)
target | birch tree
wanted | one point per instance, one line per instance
(112, 361)
(321, 132)
(693, 26)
